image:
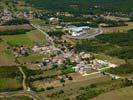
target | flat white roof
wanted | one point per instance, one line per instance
(77, 29)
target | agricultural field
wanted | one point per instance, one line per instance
(31, 58)
(37, 21)
(117, 18)
(14, 27)
(119, 94)
(118, 29)
(83, 88)
(6, 55)
(71, 88)
(7, 58)
(8, 84)
(10, 79)
(113, 60)
(28, 39)
(16, 98)
(17, 40)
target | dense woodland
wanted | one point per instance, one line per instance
(122, 69)
(115, 44)
(84, 6)
(56, 33)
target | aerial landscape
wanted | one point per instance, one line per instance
(66, 49)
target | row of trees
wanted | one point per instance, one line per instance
(9, 72)
(14, 32)
(16, 21)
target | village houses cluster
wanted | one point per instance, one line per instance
(82, 63)
(6, 15)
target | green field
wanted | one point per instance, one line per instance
(29, 39)
(16, 98)
(38, 22)
(18, 40)
(120, 94)
(9, 84)
(31, 58)
(7, 58)
(114, 60)
(68, 69)
(10, 79)
(6, 55)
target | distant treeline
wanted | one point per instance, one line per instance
(85, 6)
(81, 21)
(16, 21)
(14, 32)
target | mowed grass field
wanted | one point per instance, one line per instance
(120, 94)
(119, 29)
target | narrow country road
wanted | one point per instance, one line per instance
(24, 78)
(25, 92)
(47, 36)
